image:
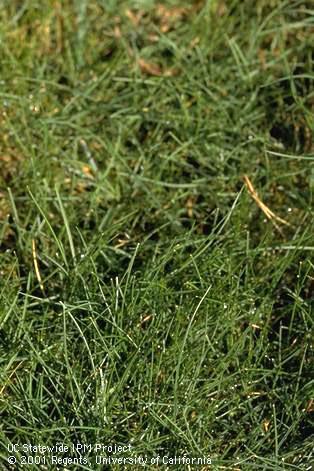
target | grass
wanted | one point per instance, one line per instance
(145, 297)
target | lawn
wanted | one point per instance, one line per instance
(156, 234)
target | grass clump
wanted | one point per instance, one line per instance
(145, 297)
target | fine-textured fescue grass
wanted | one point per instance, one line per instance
(146, 299)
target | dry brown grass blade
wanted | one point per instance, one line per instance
(268, 212)
(134, 17)
(36, 266)
(171, 13)
(144, 320)
(189, 206)
(2, 390)
(169, 16)
(150, 68)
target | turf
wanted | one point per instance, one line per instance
(146, 298)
